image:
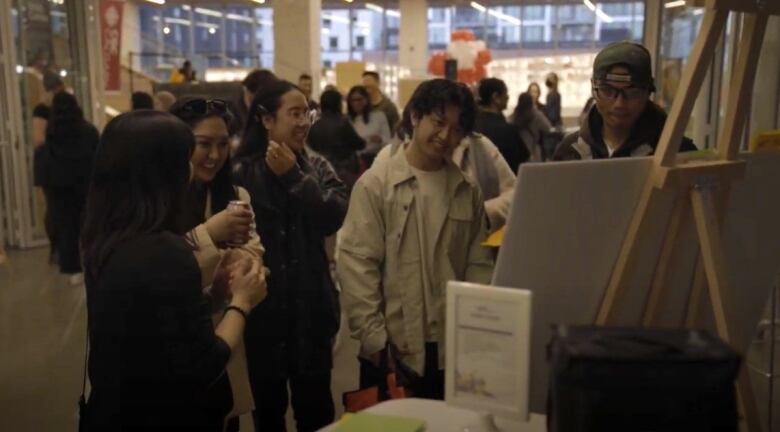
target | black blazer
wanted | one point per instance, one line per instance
(155, 362)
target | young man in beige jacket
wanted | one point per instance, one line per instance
(415, 221)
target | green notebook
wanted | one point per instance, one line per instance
(365, 422)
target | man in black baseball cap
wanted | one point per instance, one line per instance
(623, 121)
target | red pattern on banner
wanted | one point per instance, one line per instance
(111, 40)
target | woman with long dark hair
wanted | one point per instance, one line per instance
(299, 201)
(62, 167)
(369, 123)
(221, 235)
(156, 362)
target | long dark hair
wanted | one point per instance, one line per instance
(221, 187)
(66, 119)
(141, 172)
(366, 111)
(267, 102)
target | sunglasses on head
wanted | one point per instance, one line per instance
(200, 107)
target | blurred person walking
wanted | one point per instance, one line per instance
(553, 100)
(62, 168)
(536, 93)
(490, 121)
(379, 100)
(531, 125)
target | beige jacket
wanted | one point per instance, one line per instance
(497, 209)
(379, 257)
(209, 257)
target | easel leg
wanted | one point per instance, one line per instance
(714, 268)
(661, 276)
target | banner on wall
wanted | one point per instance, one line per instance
(111, 39)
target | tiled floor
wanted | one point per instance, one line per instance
(42, 334)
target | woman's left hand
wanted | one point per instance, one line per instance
(279, 158)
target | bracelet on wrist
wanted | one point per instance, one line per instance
(237, 309)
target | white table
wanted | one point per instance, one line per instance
(439, 417)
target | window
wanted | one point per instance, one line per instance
(360, 41)
(533, 33)
(334, 42)
(533, 12)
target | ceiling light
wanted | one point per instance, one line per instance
(63, 73)
(210, 12)
(393, 13)
(674, 4)
(600, 13)
(478, 6)
(374, 7)
(212, 30)
(159, 2)
(504, 17)
(166, 30)
(259, 1)
(698, 11)
(19, 69)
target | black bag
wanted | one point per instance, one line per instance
(640, 380)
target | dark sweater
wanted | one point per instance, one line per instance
(155, 362)
(505, 136)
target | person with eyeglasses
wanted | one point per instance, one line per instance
(222, 237)
(299, 201)
(623, 121)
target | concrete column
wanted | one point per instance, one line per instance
(413, 37)
(765, 112)
(297, 39)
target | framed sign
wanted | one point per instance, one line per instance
(488, 342)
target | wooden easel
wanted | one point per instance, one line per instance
(702, 188)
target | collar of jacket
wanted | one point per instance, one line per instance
(401, 171)
(647, 131)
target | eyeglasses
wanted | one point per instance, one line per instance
(201, 107)
(607, 92)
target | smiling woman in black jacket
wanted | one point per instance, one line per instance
(156, 362)
(298, 201)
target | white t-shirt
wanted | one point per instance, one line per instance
(432, 210)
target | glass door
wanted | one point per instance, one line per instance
(38, 40)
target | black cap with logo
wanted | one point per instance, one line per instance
(633, 56)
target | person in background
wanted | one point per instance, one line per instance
(52, 84)
(254, 81)
(490, 121)
(368, 122)
(536, 93)
(553, 99)
(334, 137)
(164, 100)
(623, 122)
(305, 83)
(184, 74)
(62, 167)
(299, 201)
(156, 360)
(531, 125)
(141, 100)
(415, 222)
(378, 99)
(221, 237)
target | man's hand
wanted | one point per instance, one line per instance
(279, 158)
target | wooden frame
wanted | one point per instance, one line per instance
(702, 187)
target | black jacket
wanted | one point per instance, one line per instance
(333, 137)
(588, 143)
(504, 135)
(291, 332)
(66, 164)
(155, 362)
